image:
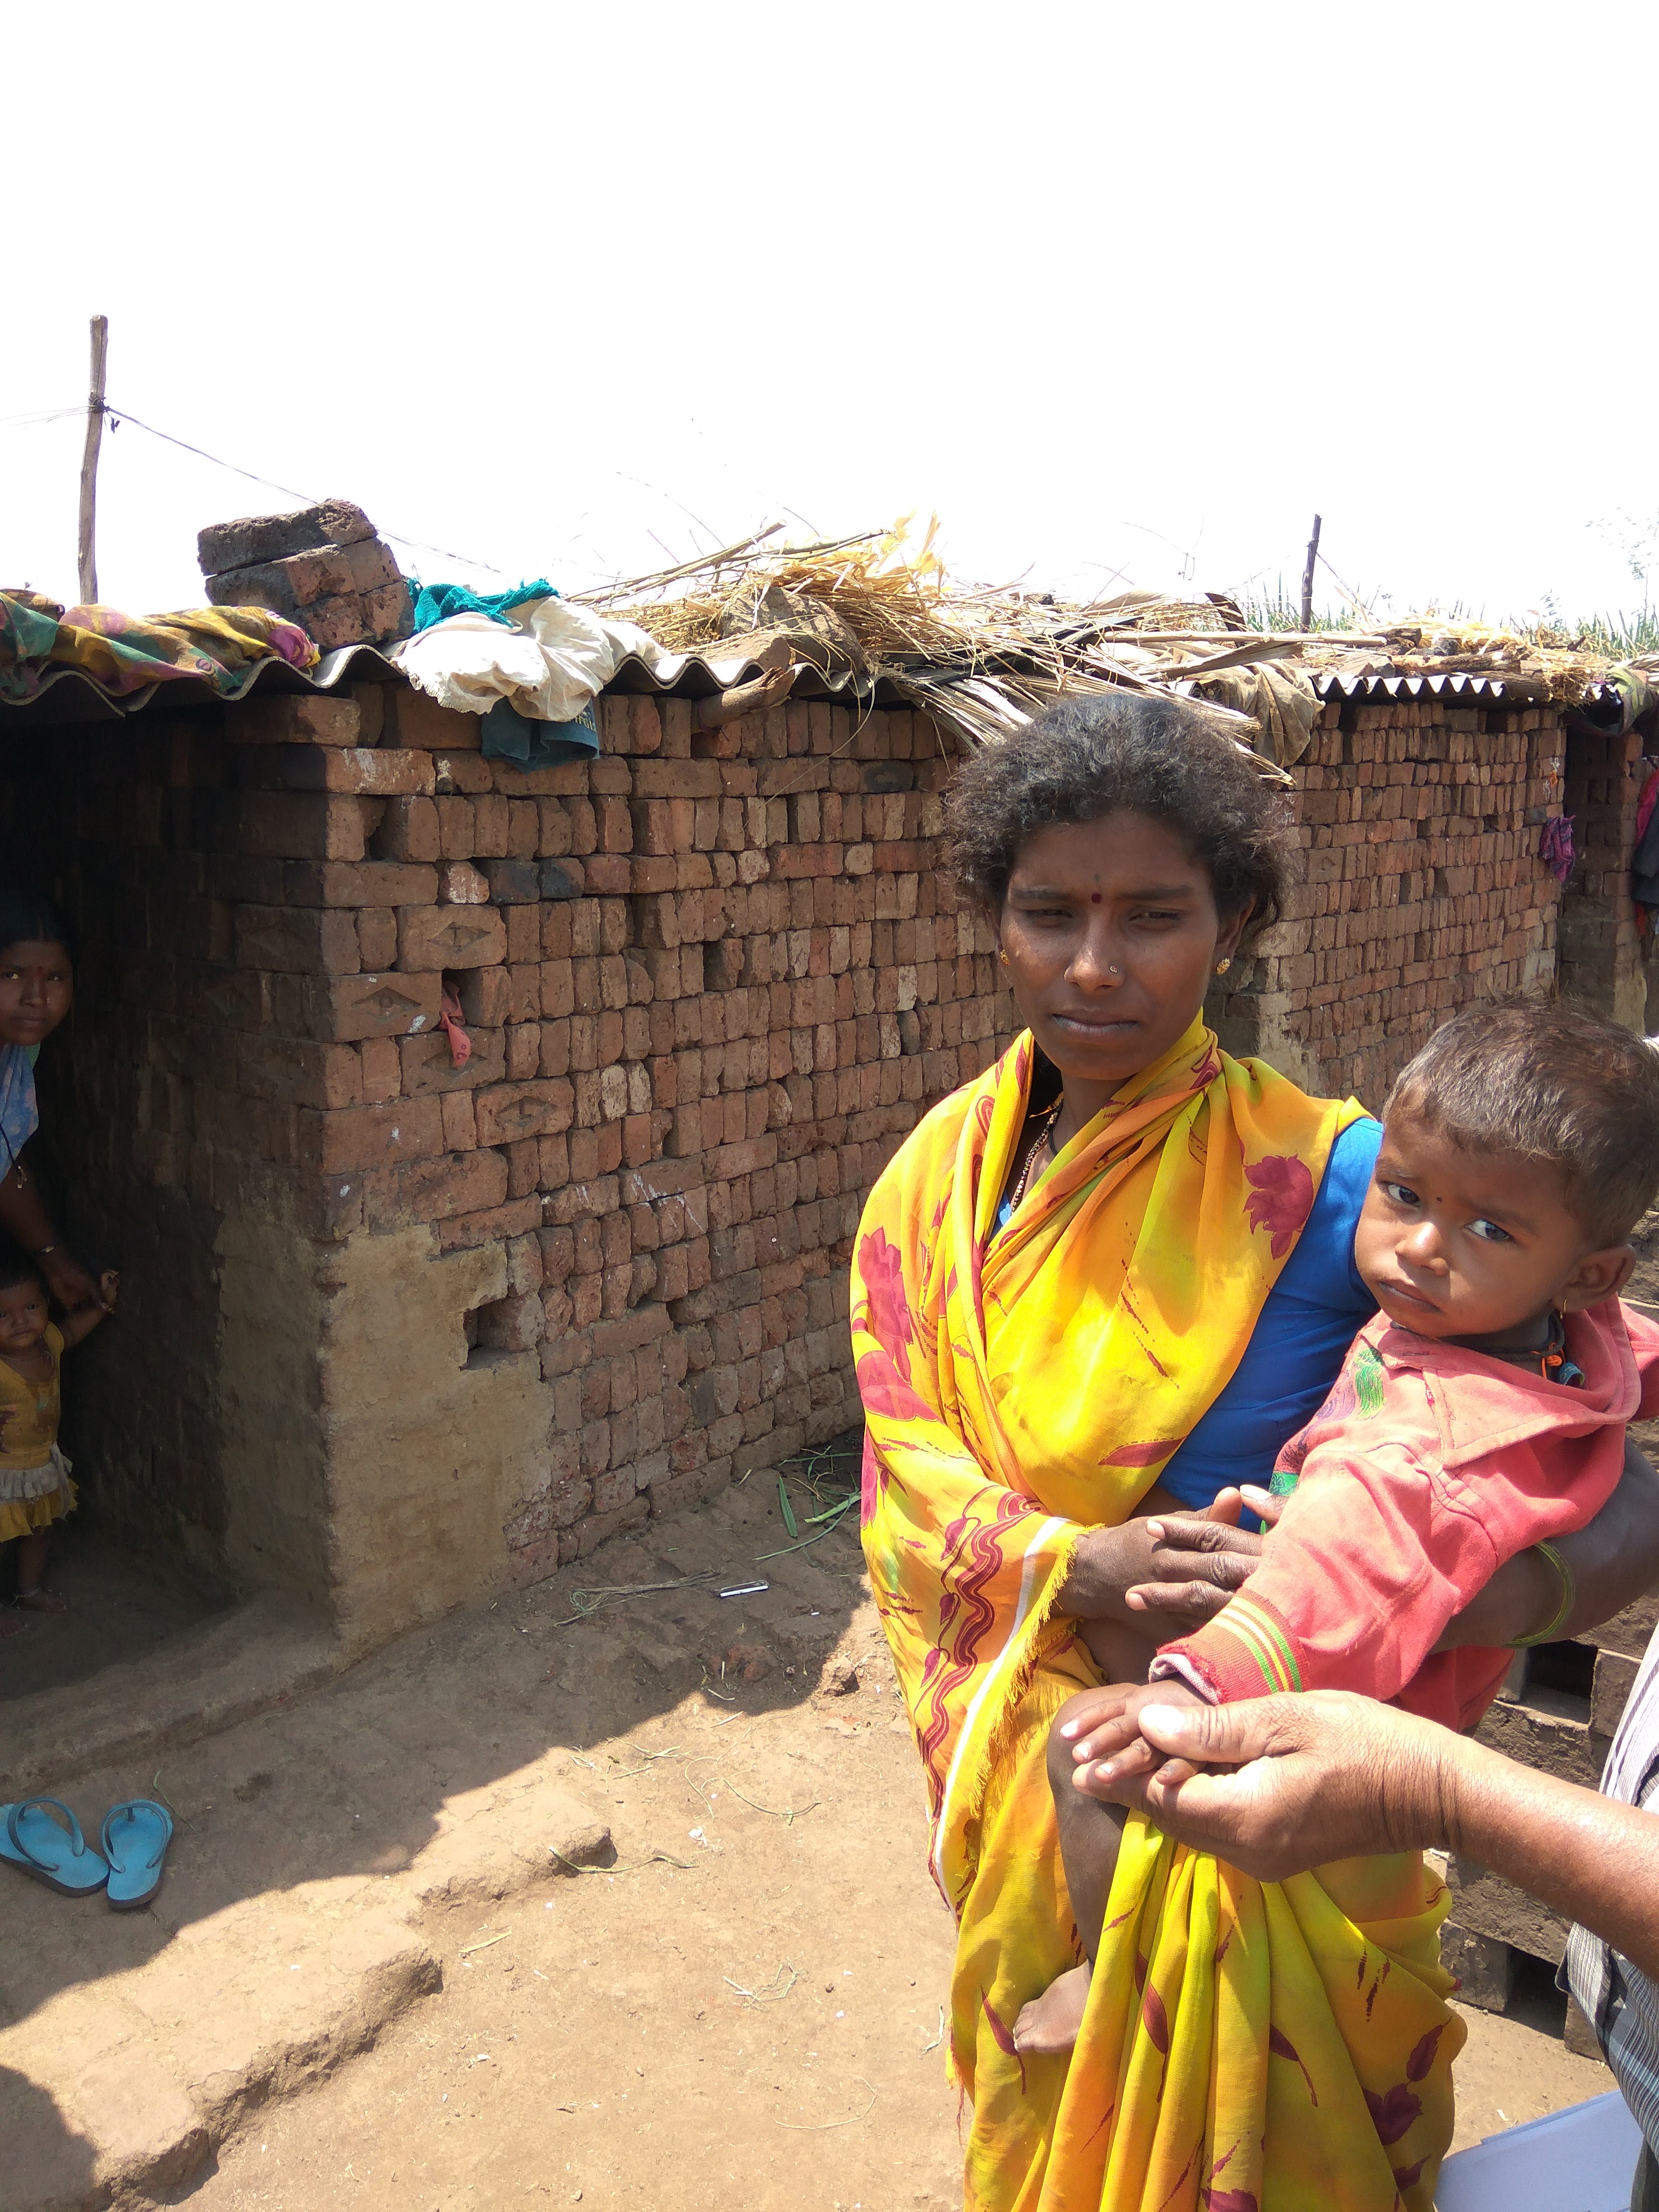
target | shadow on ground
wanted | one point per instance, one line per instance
(121, 1608)
(349, 1780)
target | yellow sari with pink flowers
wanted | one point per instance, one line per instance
(1247, 2046)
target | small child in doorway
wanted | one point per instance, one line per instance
(35, 1489)
(1480, 1414)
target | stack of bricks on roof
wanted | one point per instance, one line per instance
(396, 1332)
(323, 568)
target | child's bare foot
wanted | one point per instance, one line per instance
(1053, 2023)
(40, 1600)
(10, 1625)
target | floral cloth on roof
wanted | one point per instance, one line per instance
(220, 646)
(1247, 2048)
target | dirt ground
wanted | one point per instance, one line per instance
(745, 2008)
(757, 2026)
(120, 1609)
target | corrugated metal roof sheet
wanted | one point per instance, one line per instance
(67, 695)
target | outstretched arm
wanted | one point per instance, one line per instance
(1328, 1775)
(23, 1214)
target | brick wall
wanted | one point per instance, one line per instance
(1419, 823)
(709, 986)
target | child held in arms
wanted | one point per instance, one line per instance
(35, 1489)
(1480, 1414)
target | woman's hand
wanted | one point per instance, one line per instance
(24, 1216)
(1109, 1564)
(1199, 1559)
(1104, 1564)
(1322, 1775)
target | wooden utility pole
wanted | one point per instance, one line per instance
(89, 546)
(1307, 578)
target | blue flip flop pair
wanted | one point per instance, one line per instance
(128, 1870)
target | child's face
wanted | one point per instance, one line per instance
(36, 986)
(22, 1316)
(1454, 1243)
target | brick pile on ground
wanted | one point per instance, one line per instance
(322, 567)
(709, 987)
(1419, 826)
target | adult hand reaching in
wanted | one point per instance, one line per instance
(1322, 1775)
(1276, 1785)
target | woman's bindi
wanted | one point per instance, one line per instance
(1094, 898)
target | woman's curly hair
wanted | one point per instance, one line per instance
(1127, 751)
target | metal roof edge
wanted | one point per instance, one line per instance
(1484, 691)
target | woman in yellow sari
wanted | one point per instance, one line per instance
(1076, 1301)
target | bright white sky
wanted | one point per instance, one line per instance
(1122, 292)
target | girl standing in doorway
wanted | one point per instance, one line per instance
(37, 987)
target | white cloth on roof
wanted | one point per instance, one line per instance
(547, 660)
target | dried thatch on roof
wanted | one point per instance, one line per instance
(880, 610)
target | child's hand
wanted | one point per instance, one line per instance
(1101, 1708)
(1110, 1749)
(109, 1285)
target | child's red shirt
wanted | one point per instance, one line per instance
(1425, 1470)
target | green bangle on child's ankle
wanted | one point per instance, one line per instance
(1569, 1599)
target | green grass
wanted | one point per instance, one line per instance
(1617, 636)
(1281, 611)
(1624, 637)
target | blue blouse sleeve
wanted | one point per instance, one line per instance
(1306, 1323)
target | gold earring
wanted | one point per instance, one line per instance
(1222, 966)
(1002, 955)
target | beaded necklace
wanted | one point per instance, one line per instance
(1550, 1357)
(1044, 1142)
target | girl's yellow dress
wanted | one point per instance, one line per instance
(35, 1489)
(1247, 2046)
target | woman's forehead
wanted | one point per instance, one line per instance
(33, 952)
(1119, 853)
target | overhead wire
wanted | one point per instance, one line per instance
(28, 421)
(117, 415)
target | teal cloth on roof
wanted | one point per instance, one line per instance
(529, 744)
(435, 603)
